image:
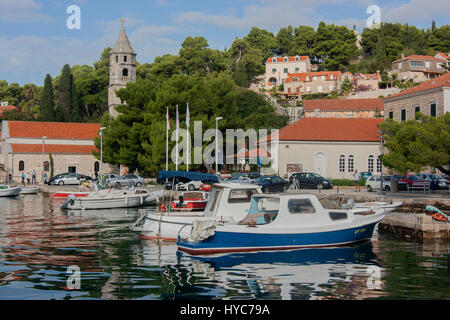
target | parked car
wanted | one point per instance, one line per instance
(189, 186)
(401, 181)
(272, 184)
(173, 183)
(245, 177)
(106, 178)
(310, 181)
(66, 179)
(126, 180)
(365, 175)
(374, 183)
(415, 182)
(436, 182)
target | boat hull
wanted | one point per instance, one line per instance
(225, 241)
(30, 190)
(10, 192)
(63, 194)
(92, 204)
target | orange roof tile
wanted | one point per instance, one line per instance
(290, 59)
(444, 55)
(301, 77)
(418, 57)
(253, 153)
(332, 129)
(343, 105)
(52, 148)
(442, 81)
(6, 108)
(53, 130)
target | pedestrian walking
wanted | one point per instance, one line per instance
(356, 180)
(23, 178)
(9, 178)
(28, 178)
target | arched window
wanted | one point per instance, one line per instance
(96, 166)
(350, 163)
(297, 59)
(342, 163)
(46, 166)
(21, 165)
(117, 59)
(285, 59)
(370, 163)
(125, 58)
(379, 165)
(274, 60)
(125, 72)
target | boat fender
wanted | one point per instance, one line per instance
(163, 208)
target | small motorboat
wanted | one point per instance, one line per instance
(107, 199)
(190, 201)
(30, 190)
(8, 191)
(282, 222)
(388, 206)
(227, 202)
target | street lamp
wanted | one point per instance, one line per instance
(101, 152)
(381, 163)
(43, 164)
(217, 143)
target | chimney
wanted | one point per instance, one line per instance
(403, 56)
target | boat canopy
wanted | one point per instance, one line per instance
(193, 176)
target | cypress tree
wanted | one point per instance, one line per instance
(47, 101)
(65, 96)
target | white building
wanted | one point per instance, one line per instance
(331, 147)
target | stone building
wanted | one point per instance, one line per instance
(122, 69)
(418, 68)
(279, 68)
(430, 98)
(344, 108)
(300, 83)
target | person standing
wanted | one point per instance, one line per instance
(356, 179)
(33, 177)
(9, 178)
(23, 178)
(28, 178)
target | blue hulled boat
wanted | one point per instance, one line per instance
(283, 222)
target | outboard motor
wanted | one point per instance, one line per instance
(69, 200)
(180, 201)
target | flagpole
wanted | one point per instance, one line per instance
(188, 116)
(167, 139)
(178, 125)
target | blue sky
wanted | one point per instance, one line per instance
(34, 39)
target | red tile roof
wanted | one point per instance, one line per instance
(444, 55)
(253, 153)
(53, 130)
(52, 148)
(343, 105)
(442, 81)
(290, 59)
(301, 77)
(418, 57)
(332, 129)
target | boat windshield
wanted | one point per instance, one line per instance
(263, 210)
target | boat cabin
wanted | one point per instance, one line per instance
(292, 210)
(234, 198)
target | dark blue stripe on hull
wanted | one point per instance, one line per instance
(243, 242)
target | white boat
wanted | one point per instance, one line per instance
(282, 222)
(154, 196)
(8, 191)
(226, 202)
(30, 190)
(108, 199)
(387, 206)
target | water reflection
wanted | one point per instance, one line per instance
(38, 242)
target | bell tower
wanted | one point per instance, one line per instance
(122, 69)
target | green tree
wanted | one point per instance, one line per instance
(416, 144)
(47, 109)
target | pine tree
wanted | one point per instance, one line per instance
(65, 95)
(47, 101)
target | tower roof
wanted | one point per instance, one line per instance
(123, 43)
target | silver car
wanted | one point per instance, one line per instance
(66, 179)
(126, 180)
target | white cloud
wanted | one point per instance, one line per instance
(415, 11)
(21, 10)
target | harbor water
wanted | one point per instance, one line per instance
(46, 253)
